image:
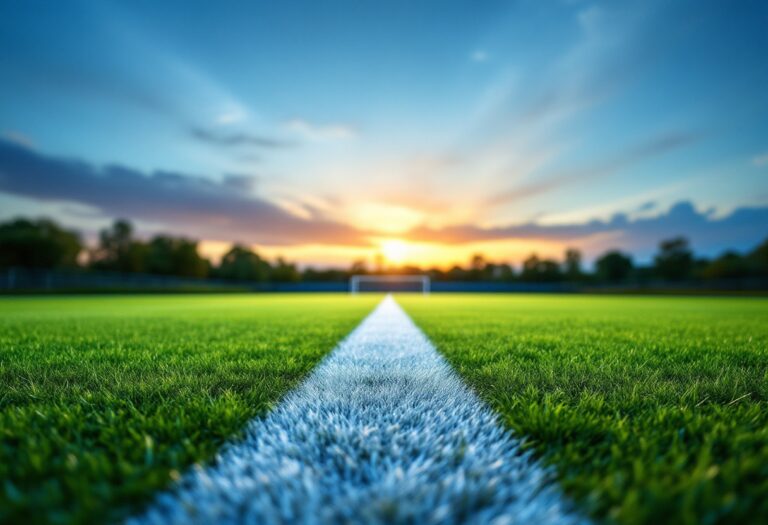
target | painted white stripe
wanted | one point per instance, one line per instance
(382, 431)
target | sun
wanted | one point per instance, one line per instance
(394, 250)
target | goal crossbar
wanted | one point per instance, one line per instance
(355, 280)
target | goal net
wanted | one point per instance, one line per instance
(389, 283)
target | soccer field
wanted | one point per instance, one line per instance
(649, 409)
(104, 400)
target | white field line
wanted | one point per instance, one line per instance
(382, 431)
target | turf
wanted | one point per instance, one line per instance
(649, 409)
(104, 400)
(381, 433)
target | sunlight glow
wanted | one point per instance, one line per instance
(395, 251)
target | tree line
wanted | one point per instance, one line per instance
(673, 262)
(43, 244)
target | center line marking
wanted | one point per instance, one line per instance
(382, 431)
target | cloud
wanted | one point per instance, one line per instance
(240, 182)
(522, 125)
(195, 206)
(582, 76)
(320, 132)
(18, 138)
(236, 139)
(654, 147)
(760, 160)
(647, 206)
(229, 210)
(231, 116)
(743, 228)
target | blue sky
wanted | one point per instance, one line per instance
(320, 129)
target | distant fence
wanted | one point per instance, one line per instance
(735, 285)
(22, 279)
(19, 280)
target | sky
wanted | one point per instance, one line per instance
(330, 131)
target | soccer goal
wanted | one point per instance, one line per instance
(389, 283)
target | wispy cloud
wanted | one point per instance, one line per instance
(231, 116)
(521, 126)
(18, 138)
(654, 147)
(584, 74)
(647, 206)
(240, 182)
(320, 132)
(225, 211)
(743, 228)
(236, 139)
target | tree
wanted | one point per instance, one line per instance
(37, 244)
(118, 251)
(503, 272)
(549, 271)
(409, 269)
(729, 265)
(359, 267)
(477, 262)
(674, 262)
(614, 267)
(175, 256)
(242, 264)
(758, 260)
(572, 265)
(163, 255)
(477, 267)
(456, 273)
(436, 274)
(311, 274)
(285, 272)
(540, 270)
(530, 268)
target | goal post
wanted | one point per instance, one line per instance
(387, 282)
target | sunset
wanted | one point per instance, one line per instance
(478, 127)
(384, 262)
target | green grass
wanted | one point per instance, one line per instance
(104, 400)
(651, 410)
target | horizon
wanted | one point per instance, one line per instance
(423, 133)
(391, 257)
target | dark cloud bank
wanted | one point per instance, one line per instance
(226, 211)
(742, 229)
(193, 205)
